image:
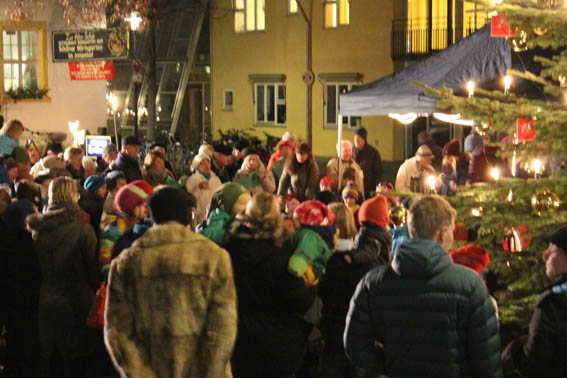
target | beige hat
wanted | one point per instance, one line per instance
(207, 149)
(197, 160)
(424, 152)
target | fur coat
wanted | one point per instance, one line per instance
(171, 306)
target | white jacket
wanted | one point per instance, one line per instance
(203, 196)
(407, 170)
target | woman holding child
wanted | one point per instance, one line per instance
(270, 341)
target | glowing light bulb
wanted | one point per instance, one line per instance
(510, 197)
(135, 20)
(431, 181)
(470, 88)
(495, 173)
(113, 101)
(507, 83)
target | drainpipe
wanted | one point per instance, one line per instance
(308, 76)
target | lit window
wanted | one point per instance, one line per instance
(333, 90)
(23, 61)
(249, 15)
(292, 6)
(336, 13)
(270, 106)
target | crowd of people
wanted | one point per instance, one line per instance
(242, 267)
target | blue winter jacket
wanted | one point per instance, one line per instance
(423, 316)
(7, 144)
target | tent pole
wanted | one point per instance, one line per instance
(339, 148)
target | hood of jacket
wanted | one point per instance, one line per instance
(382, 235)
(55, 216)
(420, 258)
(246, 245)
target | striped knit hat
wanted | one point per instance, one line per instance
(129, 197)
(350, 191)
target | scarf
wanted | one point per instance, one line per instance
(206, 175)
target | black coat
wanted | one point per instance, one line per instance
(544, 353)
(128, 166)
(271, 334)
(19, 294)
(371, 248)
(423, 316)
(93, 205)
(369, 160)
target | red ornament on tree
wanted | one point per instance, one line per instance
(525, 130)
(500, 27)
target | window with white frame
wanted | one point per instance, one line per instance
(292, 6)
(333, 91)
(270, 104)
(249, 15)
(227, 98)
(20, 59)
(336, 13)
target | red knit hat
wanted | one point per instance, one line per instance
(471, 256)
(285, 143)
(452, 147)
(374, 210)
(144, 185)
(129, 197)
(326, 181)
(314, 213)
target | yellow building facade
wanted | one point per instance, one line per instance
(258, 67)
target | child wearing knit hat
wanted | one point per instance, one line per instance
(92, 202)
(350, 198)
(343, 273)
(130, 223)
(314, 242)
(228, 203)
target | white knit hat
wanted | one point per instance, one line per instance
(197, 160)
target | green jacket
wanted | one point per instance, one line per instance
(216, 226)
(431, 318)
(310, 256)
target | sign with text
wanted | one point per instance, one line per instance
(89, 45)
(103, 70)
(95, 143)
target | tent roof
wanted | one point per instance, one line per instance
(478, 57)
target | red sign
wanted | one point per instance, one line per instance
(525, 129)
(103, 70)
(500, 27)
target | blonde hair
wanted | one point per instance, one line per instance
(12, 127)
(263, 215)
(63, 190)
(344, 220)
(428, 214)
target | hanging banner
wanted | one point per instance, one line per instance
(525, 129)
(91, 70)
(500, 27)
(89, 45)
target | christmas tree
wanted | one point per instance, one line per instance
(512, 214)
